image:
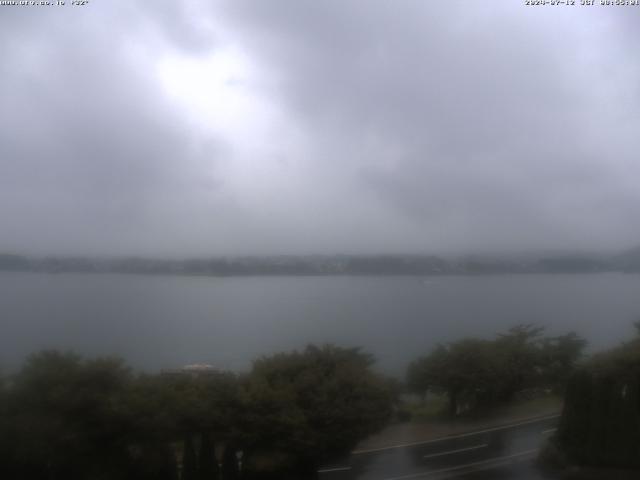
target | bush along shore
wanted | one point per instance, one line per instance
(63, 416)
(66, 417)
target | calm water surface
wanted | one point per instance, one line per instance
(167, 321)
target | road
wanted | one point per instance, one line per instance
(505, 452)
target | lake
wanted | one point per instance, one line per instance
(156, 322)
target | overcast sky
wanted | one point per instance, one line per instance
(289, 126)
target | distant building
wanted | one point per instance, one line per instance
(193, 370)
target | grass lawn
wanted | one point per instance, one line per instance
(429, 420)
(434, 409)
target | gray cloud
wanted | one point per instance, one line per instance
(477, 120)
(402, 126)
(93, 158)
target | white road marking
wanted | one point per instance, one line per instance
(453, 437)
(547, 432)
(336, 469)
(482, 465)
(451, 452)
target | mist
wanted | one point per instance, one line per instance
(236, 128)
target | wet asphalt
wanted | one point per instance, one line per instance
(507, 452)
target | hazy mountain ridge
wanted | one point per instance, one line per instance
(628, 261)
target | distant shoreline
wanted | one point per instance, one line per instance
(339, 265)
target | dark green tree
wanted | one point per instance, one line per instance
(206, 460)
(479, 374)
(600, 424)
(314, 404)
(426, 373)
(559, 357)
(66, 416)
(189, 459)
(519, 359)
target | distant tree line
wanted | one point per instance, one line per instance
(66, 417)
(327, 265)
(480, 374)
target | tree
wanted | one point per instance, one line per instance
(478, 374)
(206, 460)
(66, 417)
(600, 424)
(189, 459)
(466, 370)
(426, 373)
(6, 445)
(168, 409)
(559, 357)
(518, 351)
(315, 404)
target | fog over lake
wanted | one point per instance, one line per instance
(158, 322)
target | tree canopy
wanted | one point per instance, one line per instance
(478, 373)
(66, 417)
(600, 424)
(319, 402)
